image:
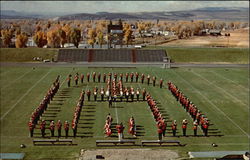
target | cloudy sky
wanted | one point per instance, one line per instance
(113, 6)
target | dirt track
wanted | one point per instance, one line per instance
(128, 154)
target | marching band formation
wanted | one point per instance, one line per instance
(115, 91)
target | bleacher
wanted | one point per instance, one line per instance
(117, 55)
(150, 55)
(110, 55)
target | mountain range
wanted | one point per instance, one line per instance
(208, 13)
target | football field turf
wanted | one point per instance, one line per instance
(221, 93)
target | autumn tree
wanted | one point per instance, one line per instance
(127, 33)
(40, 39)
(53, 38)
(91, 37)
(21, 40)
(6, 37)
(75, 36)
(100, 38)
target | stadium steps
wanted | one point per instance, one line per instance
(110, 55)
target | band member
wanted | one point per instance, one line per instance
(132, 126)
(126, 75)
(136, 76)
(52, 128)
(74, 128)
(142, 78)
(120, 129)
(104, 77)
(137, 94)
(115, 97)
(66, 128)
(184, 126)
(148, 78)
(115, 76)
(159, 126)
(99, 77)
(42, 127)
(59, 128)
(132, 93)
(127, 94)
(110, 75)
(31, 127)
(143, 94)
(68, 80)
(131, 77)
(110, 101)
(88, 76)
(154, 79)
(88, 94)
(93, 76)
(161, 82)
(121, 76)
(164, 127)
(95, 93)
(195, 127)
(102, 94)
(121, 95)
(82, 78)
(174, 127)
(205, 126)
(76, 79)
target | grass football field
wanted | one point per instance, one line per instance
(221, 93)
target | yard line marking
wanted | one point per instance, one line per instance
(244, 88)
(213, 104)
(12, 107)
(233, 97)
(17, 79)
(116, 114)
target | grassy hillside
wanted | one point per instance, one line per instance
(207, 55)
(26, 54)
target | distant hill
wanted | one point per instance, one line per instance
(208, 13)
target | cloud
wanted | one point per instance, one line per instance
(113, 6)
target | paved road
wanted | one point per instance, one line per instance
(121, 64)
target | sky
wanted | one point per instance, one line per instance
(112, 6)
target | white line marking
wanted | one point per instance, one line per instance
(239, 85)
(233, 97)
(116, 114)
(17, 79)
(12, 107)
(212, 104)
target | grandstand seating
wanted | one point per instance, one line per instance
(110, 55)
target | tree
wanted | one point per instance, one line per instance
(91, 37)
(40, 39)
(53, 38)
(6, 37)
(127, 33)
(75, 36)
(100, 38)
(21, 40)
(63, 37)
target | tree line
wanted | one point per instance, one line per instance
(56, 34)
